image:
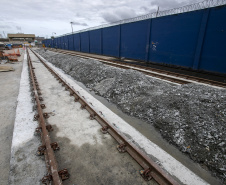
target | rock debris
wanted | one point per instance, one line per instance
(191, 117)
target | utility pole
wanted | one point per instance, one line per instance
(71, 27)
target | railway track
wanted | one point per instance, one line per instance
(157, 73)
(150, 169)
(47, 148)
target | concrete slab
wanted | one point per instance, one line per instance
(9, 88)
(25, 166)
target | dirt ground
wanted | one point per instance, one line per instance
(9, 88)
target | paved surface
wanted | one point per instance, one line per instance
(9, 88)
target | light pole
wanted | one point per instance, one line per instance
(72, 26)
(53, 33)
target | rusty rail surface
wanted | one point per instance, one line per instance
(149, 71)
(47, 148)
(150, 168)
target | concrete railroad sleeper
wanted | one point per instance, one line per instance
(47, 148)
(150, 168)
(158, 73)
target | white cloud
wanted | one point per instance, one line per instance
(45, 17)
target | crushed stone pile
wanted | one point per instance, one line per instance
(191, 117)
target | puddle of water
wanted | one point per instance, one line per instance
(153, 135)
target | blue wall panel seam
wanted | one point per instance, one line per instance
(201, 37)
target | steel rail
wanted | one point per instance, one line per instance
(51, 162)
(174, 75)
(150, 168)
(122, 65)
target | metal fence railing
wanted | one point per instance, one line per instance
(188, 8)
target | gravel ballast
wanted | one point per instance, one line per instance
(191, 117)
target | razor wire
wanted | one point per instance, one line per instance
(188, 8)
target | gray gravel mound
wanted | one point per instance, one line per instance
(191, 117)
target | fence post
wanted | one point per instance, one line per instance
(148, 40)
(201, 37)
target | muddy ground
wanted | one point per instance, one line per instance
(191, 117)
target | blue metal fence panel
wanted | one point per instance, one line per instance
(194, 39)
(70, 42)
(85, 42)
(111, 41)
(213, 57)
(66, 42)
(49, 42)
(63, 42)
(174, 38)
(57, 42)
(77, 42)
(134, 39)
(60, 42)
(52, 43)
(95, 41)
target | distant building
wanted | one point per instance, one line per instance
(21, 37)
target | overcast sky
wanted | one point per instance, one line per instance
(42, 18)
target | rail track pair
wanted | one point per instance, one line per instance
(149, 170)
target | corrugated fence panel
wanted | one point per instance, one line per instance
(85, 42)
(213, 57)
(77, 41)
(134, 38)
(174, 38)
(95, 41)
(111, 36)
